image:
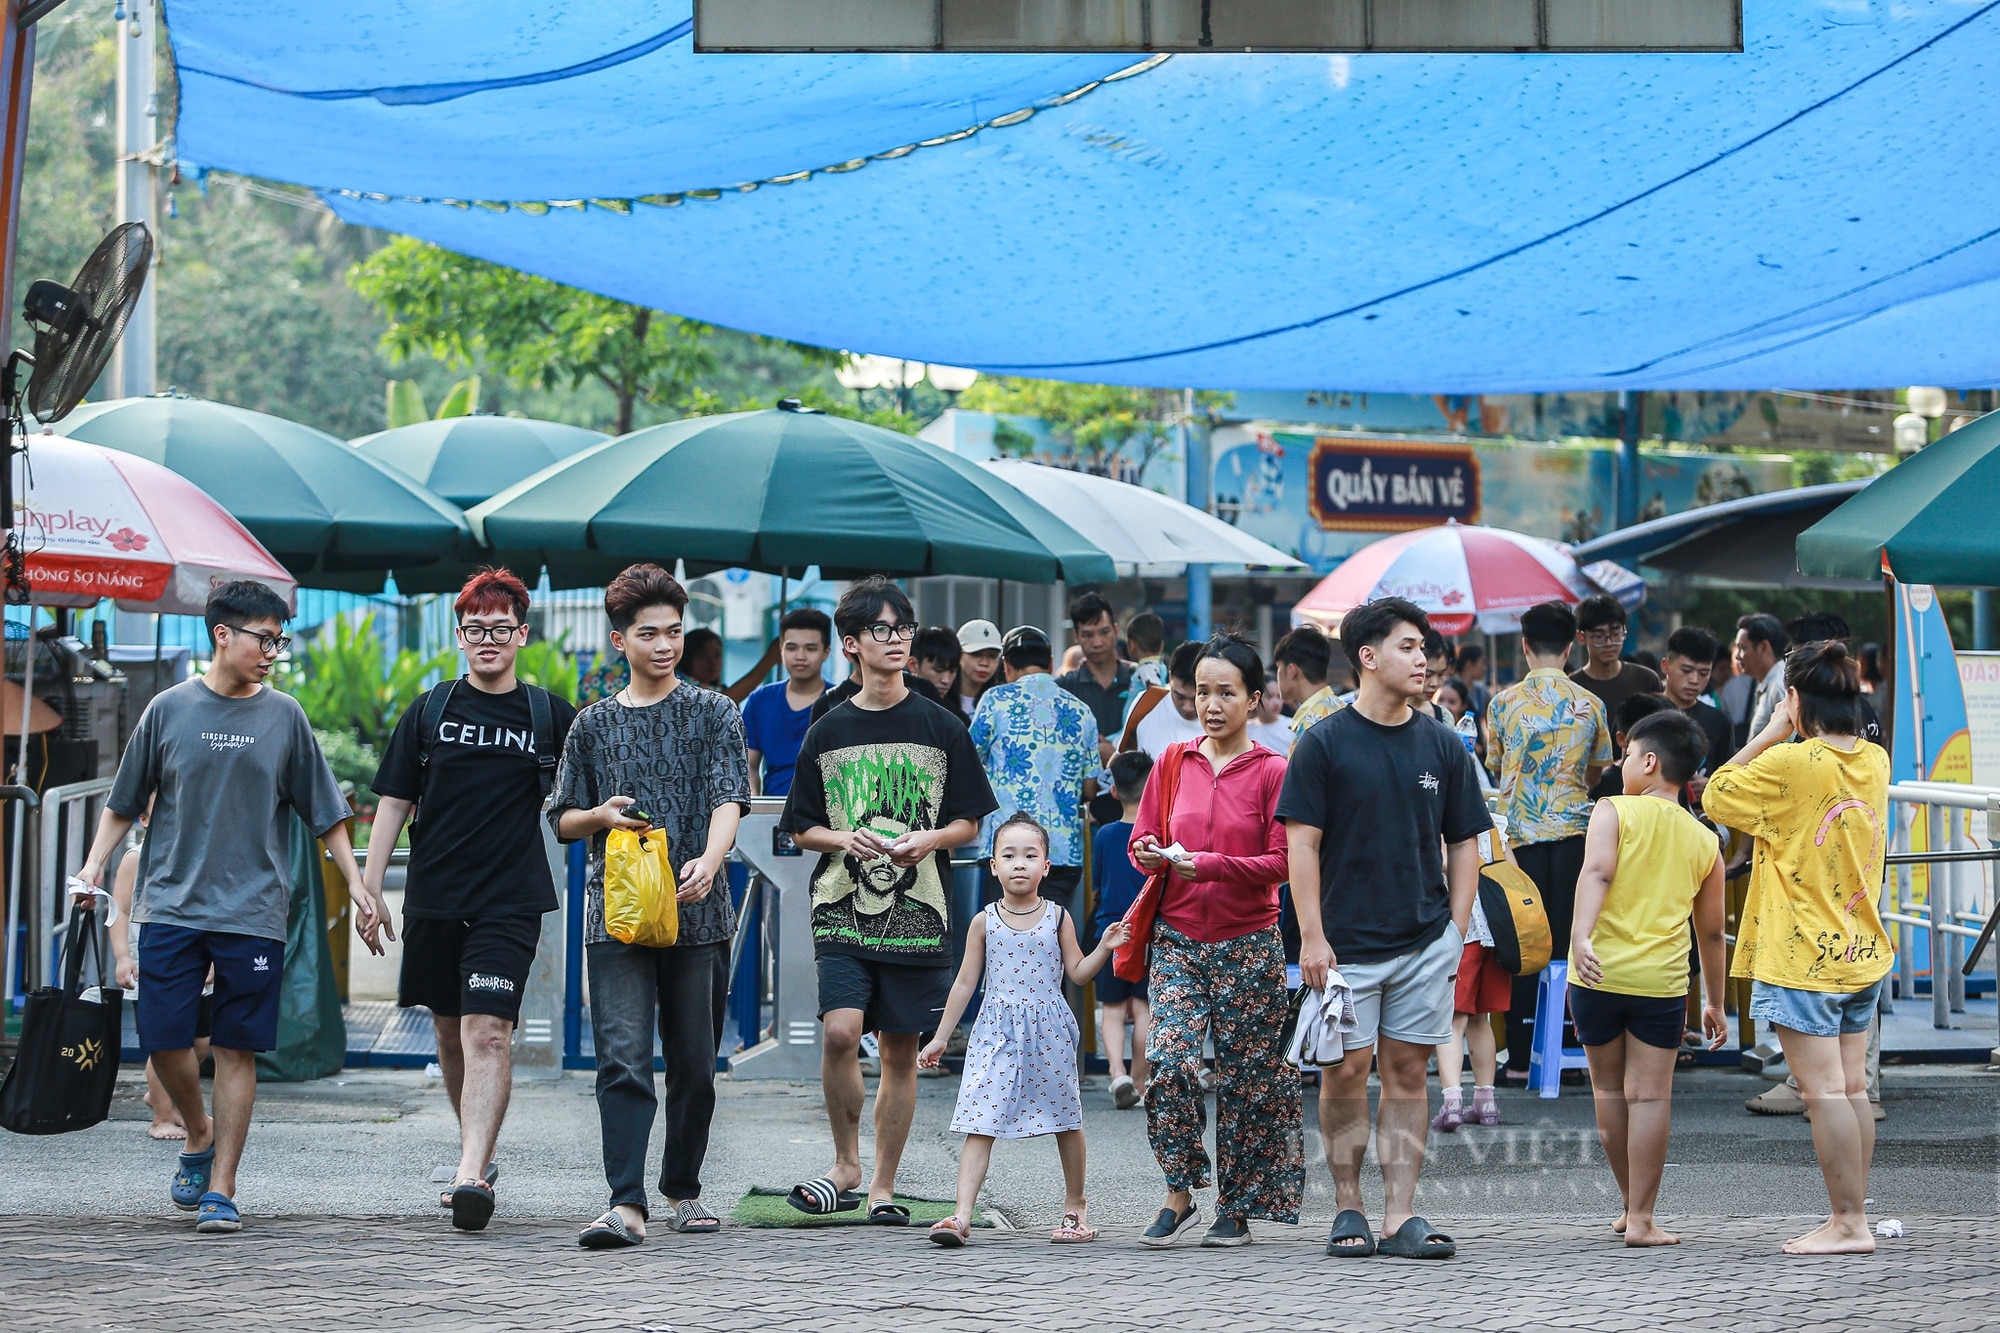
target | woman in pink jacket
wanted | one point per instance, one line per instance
(1218, 965)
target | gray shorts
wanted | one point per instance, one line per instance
(1408, 997)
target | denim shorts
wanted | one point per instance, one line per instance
(1815, 1013)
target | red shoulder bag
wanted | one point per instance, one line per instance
(1130, 961)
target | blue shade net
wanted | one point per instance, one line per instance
(1809, 213)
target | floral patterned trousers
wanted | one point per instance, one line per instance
(1234, 989)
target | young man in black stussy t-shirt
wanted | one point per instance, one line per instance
(1381, 807)
(479, 878)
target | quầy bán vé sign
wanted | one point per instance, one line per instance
(1390, 486)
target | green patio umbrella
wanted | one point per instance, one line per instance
(333, 516)
(469, 459)
(781, 490)
(1927, 518)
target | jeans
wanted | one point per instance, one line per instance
(684, 992)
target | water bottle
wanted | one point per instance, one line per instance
(1467, 728)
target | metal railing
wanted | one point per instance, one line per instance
(1959, 895)
(51, 837)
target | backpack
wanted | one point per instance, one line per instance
(541, 718)
(1516, 917)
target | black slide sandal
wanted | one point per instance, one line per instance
(1350, 1225)
(1418, 1239)
(883, 1213)
(472, 1206)
(821, 1198)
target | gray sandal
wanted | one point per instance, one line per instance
(691, 1218)
(609, 1232)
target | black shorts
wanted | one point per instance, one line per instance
(1603, 1016)
(892, 997)
(1116, 990)
(454, 968)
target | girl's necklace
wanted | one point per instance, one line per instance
(1029, 912)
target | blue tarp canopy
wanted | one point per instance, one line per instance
(1811, 213)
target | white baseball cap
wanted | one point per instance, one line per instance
(978, 636)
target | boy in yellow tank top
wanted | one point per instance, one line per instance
(1648, 866)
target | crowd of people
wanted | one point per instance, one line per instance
(1203, 835)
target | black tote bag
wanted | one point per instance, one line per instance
(67, 1065)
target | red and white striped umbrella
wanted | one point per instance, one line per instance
(1459, 576)
(96, 523)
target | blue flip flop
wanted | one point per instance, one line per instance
(191, 1179)
(216, 1213)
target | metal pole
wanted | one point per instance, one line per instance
(17, 77)
(1632, 414)
(1954, 883)
(1194, 450)
(1906, 962)
(134, 365)
(16, 890)
(1934, 900)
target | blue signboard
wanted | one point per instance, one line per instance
(1389, 486)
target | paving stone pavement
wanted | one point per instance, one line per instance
(296, 1273)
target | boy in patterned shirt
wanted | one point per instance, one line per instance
(1549, 741)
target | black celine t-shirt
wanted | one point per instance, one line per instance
(893, 771)
(476, 847)
(1386, 799)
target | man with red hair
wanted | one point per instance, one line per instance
(475, 759)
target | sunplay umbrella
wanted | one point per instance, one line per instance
(1460, 576)
(781, 490)
(1152, 533)
(1923, 521)
(470, 459)
(97, 523)
(331, 515)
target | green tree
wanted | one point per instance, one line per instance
(69, 191)
(1096, 422)
(538, 333)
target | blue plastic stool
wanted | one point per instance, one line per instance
(1549, 1056)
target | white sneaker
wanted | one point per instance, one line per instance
(1124, 1092)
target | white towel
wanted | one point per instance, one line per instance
(1323, 1017)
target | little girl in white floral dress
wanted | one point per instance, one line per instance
(1020, 1062)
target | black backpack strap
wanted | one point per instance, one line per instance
(542, 719)
(434, 706)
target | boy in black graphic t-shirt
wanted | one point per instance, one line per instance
(887, 784)
(479, 877)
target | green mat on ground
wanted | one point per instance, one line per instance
(766, 1207)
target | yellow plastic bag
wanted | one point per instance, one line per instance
(639, 906)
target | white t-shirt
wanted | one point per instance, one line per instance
(1271, 735)
(1163, 726)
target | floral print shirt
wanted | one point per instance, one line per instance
(1546, 733)
(1038, 743)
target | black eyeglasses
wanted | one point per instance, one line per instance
(882, 631)
(489, 633)
(272, 644)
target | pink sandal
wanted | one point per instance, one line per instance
(950, 1233)
(1073, 1230)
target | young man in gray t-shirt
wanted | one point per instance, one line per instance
(224, 760)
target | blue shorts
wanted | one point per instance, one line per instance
(173, 966)
(1116, 990)
(1815, 1013)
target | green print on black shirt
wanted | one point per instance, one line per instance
(890, 790)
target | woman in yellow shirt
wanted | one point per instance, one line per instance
(1811, 937)
(1648, 867)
